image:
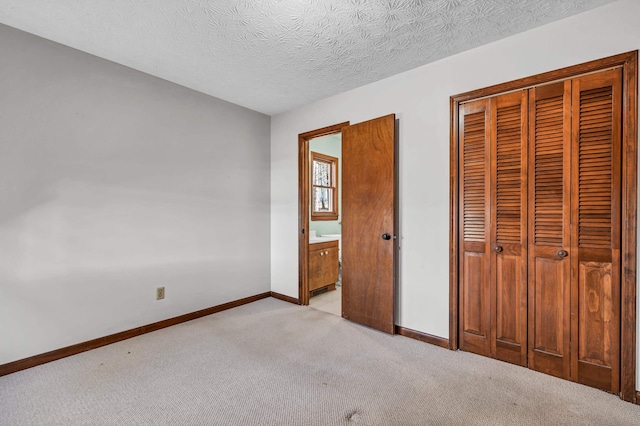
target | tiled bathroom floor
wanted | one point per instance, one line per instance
(330, 301)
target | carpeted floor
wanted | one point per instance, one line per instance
(274, 363)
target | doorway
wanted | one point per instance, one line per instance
(368, 221)
(325, 235)
(304, 203)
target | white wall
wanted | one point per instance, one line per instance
(113, 183)
(420, 99)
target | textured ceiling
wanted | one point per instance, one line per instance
(274, 55)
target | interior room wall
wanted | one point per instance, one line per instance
(329, 145)
(113, 183)
(420, 99)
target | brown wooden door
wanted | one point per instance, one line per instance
(475, 221)
(509, 227)
(368, 213)
(493, 219)
(574, 221)
(549, 228)
(595, 242)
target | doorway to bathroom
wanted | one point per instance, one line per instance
(347, 179)
(325, 235)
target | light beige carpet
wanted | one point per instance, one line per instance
(274, 363)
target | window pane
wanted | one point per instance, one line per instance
(322, 200)
(321, 173)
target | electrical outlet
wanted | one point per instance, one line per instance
(159, 293)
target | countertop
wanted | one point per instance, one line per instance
(322, 239)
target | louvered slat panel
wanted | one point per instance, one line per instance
(474, 177)
(595, 168)
(508, 174)
(548, 172)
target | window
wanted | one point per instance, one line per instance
(324, 188)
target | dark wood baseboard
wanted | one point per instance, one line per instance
(285, 298)
(638, 397)
(56, 354)
(423, 337)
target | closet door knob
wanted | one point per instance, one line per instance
(562, 253)
(497, 249)
(386, 236)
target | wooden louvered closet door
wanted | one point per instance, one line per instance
(509, 227)
(574, 222)
(549, 229)
(540, 221)
(475, 305)
(493, 298)
(595, 240)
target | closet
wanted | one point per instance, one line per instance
(539, 227)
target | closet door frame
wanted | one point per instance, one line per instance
(628, 62)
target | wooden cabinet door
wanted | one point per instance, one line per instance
(323, 264)
(369, 223)
(595, 243)
(549, 228)
(475, 221)
(509, 227)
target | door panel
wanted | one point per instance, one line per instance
(597, 325)
(368, 212)
(549, 308)
(550, 314)
(595, 312)
(508, 297)
(475, 306)
(549, 346)
(475, 295)
(509, 230)
(596, 243)
(510, 327)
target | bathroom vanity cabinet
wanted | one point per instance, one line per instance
(323, 265)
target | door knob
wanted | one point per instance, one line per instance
(562, 253)
(497, 249)
(386, 236)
